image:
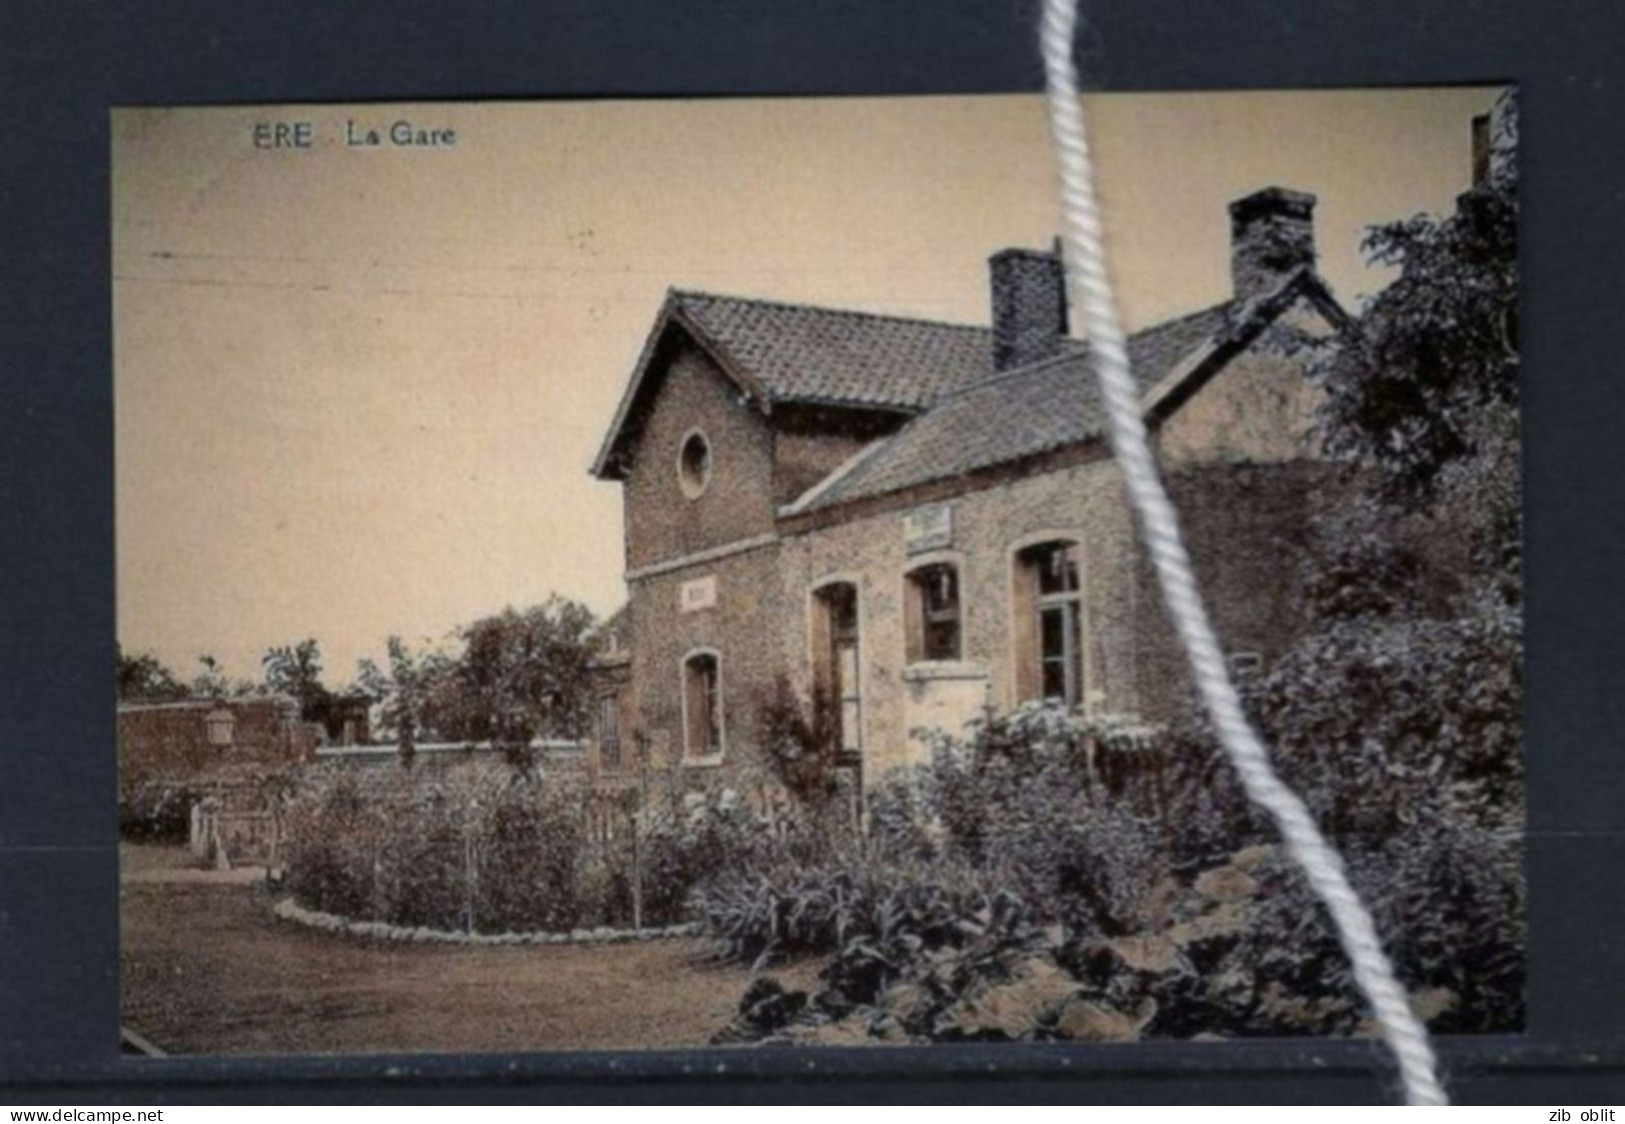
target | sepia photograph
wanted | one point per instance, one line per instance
(625, 575)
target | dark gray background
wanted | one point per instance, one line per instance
(64, 63)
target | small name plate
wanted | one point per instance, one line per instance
(701, 593)
(928, 528)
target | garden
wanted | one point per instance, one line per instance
(1044, 878)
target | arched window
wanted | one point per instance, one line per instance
(836, 661)
(933, 612)
(702, 705)
(1049, 623)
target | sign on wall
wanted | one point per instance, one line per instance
(928, 528)
(701, 593)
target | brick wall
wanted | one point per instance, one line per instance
(803, 458)
(744, 625)
(1241, 468)
(1248, 527)
(1272, 232)
(377, 771)
(1084, 502)
(1260, 407)
(662, 522)
(168, 742)
(1029, 306)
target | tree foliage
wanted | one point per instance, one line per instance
(1385, 720)
(296, 670)
(144, 678)
(211, 681)
(406, 691)
(1398, 717)
(522, 675)
(802, 738)
(1427, 377)
(519, 675)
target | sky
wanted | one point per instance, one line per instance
(357, 388)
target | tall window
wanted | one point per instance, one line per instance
(1049, 619)
(702, 705)
(933, 603)
(609, 733)
(836, 671)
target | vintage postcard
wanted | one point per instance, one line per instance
(626, 575)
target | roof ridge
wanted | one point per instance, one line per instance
(1037, 366)
(1081, 349)
(800, 306)
(1228, 302)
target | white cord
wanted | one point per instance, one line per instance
(1092, 294)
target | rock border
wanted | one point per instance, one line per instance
(289, 910)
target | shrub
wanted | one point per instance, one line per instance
(514, 853)
(1066, 813)
(1449, 898)
(420, 872)
(1099, 831)
(533, 865)
(802, 739)
(1379, 721)
(156, 811)
(510, 854)
(328, 860)
(763, 916)
(706, 837)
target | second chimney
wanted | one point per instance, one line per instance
(1029, 306)
(1272, 234)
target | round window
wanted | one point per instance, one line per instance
(694, 464)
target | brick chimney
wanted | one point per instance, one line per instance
(1029, 305)
(1272, 233)
(1481, 149)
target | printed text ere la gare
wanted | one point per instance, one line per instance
(399, 133)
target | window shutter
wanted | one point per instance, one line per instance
(914, 620)
(1024, 615)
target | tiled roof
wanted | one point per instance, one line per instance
(1155, 351)
(1033, 409)
(799, 353)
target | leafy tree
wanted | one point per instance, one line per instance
(212, 681)
(144, 678)
(296, 670)
(409, 692)
(522, 674)
(1428, 375)
(1399, 716)
(1380, 720)
(1422, 400)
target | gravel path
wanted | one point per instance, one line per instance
(207, 969)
